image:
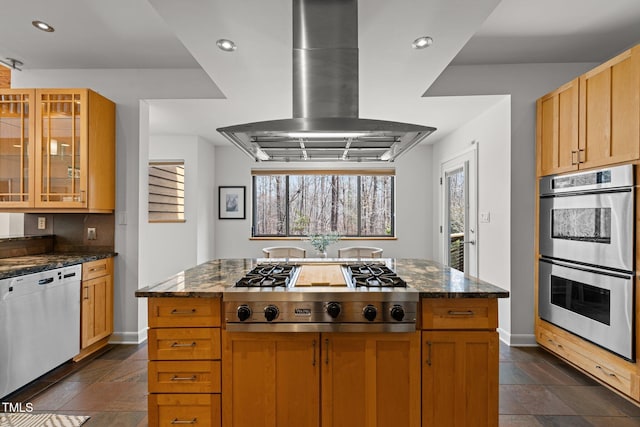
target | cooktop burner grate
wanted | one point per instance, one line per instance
(374, 275)
(267, 276)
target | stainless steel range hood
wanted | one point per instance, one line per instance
(325, 124)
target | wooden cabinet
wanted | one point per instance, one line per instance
(59, 149)
(459, 363)
(368, 379)
(17, 148)
(610, 111)
(557, 130)
(185, 365)
(371, 379)
(592, 121)
(96, 315)
(271, 379)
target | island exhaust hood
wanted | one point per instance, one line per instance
(325, 124)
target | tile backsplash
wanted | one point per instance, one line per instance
(70, 231)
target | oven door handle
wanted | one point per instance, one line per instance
(588, 269)
(586, 192)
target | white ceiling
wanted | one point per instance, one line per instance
(256, 79)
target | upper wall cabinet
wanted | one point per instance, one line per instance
(557, 130)
(610, 111)
(57, 151)
(593, 120)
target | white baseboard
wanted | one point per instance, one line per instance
(517, 340)
(128, 337)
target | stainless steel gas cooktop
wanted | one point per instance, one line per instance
(351, 297)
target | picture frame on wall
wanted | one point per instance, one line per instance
(231, 202)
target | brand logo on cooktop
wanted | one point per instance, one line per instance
(302, 312)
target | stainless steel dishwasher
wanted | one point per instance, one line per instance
(39, 324)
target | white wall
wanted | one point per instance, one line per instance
(11, 224)
(491, 133)
(126, 87)
(525, 83)
(414, 212)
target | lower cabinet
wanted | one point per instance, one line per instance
(460, 378)
(184, 362)
(460, 362)
(96, 315)
(278, 379)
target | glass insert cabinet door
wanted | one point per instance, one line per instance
(17, 146)
(62, 143)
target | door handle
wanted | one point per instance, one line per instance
(471, 242)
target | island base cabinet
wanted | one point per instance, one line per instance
(169, 410)
(370, 379)
(270, 379)
(460, 378)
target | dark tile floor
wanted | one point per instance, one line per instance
(536, 390)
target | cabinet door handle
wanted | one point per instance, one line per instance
(82, 196)
(429, 353)
(175, 345)
(177, 378)
(326, 351)
(575, 158)
(461, 313)
(313, 362)
(86, 292)
(611, 374)
(177, 421)
(176, 311)
(581, 159)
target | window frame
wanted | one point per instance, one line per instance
(358, 172)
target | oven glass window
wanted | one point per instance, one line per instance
(602, 177)
(586, 300)
(584, 224)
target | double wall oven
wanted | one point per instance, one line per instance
(586, 270)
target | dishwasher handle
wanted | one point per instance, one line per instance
(45, 281)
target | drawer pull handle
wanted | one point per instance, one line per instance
(461, 313)
(611, 374)
(93, 269)
(176, 311)
(175, 344)
(177, 378)
(177, 421)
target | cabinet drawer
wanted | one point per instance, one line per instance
(97, 268)
(606, 367)
(169, 410)
(184, 344)
(185, 377)
(460, 313)
(176, 312)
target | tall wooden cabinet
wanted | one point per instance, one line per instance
(459, 362)
(275, 379)
(593, 120)
(57, 151)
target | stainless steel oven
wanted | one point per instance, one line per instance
(593, 303)
(588, 217)
(586, 270)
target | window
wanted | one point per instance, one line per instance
(166, 191)
(298, 203)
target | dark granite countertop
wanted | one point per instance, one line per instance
(21, 265)
(24, 237)
(431, 279)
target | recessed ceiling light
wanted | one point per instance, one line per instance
(43, 26)
(226, 45)
(422, 42)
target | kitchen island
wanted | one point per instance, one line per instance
(444, 373)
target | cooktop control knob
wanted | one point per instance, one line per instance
(370, 312)
(271, 312)
(397, 312)
(244, 312)
(333, 309)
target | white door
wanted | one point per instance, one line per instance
(458, 230)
